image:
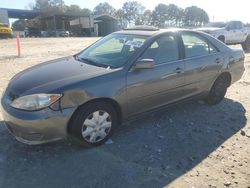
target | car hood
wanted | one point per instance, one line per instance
(51, 75)
(209, 29)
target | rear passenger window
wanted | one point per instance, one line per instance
(196, 46)
(163, 50)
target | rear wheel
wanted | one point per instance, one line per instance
(93, 124)
(246, 45)
(221, 38)
(218, 91)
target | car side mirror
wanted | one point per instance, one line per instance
(144, 64)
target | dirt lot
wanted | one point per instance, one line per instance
(189, 145)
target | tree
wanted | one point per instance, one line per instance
(159, 15)
(48, 7)
(203, 18)
(73, 9)
(167, 15)
(144, 19)
(41, 5)
(76, 10)
(195, 16)
(19, 25)
(179, 17)
(174, 15)
(103, 8)
(86, 12)
(132, 11)
(119, 15)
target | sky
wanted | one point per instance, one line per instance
(218, 10)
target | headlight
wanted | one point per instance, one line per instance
(35, 102)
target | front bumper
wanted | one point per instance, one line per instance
(36, 127)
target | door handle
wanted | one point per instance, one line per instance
(217, 60)
(178, 70)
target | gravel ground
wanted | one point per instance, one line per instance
(188, 145)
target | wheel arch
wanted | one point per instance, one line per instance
(109, 101)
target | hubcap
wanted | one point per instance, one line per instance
(96, 126)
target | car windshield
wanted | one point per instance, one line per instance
(112, 51)
(216, 24)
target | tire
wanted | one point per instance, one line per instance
(87, 128)
(221, 38)
(218, 91)
(246, 44)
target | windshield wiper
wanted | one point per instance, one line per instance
(91, 62)
(88, 61)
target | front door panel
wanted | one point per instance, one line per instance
(150, 88)
(160, 85)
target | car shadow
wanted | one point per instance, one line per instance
(149, 152)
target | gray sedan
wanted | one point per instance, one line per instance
(129, 72)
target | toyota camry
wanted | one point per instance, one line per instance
(84, 97)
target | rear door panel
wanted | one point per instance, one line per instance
(200, 73)
(202, 63)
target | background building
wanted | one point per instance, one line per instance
(53, 24)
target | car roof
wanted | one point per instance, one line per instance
(154, 32)
(148, 31)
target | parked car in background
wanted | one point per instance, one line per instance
(44, 34)
(63, 33)
(56, 33)
(5, 31)
(52, 34)
(233, 32)
(137, 70)
(32, 32)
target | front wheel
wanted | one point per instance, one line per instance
(93, 124)
(217, 92)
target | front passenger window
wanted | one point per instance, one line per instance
(163, 50)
